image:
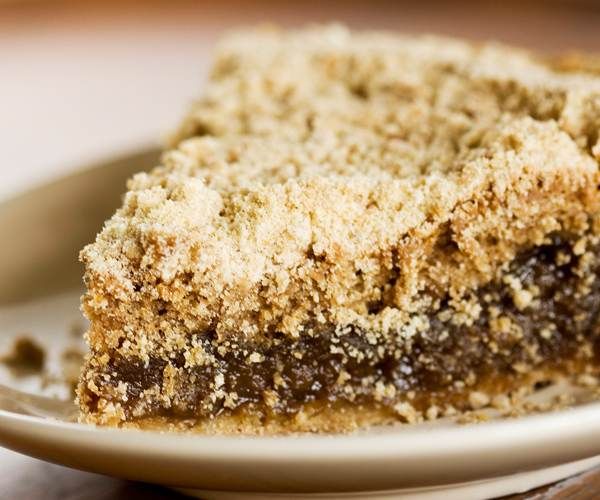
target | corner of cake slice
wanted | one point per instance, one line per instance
(351, 229)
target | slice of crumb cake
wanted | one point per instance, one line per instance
(351, 229)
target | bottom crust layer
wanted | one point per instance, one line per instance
(344, 417)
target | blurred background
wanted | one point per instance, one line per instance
(82, 81)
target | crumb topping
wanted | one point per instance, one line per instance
(252, 230)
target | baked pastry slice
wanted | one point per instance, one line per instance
(351, 229)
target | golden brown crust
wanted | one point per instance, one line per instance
(475, 404)
(326, 164)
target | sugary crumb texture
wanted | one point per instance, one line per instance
(351, 229)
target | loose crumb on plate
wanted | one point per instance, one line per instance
(26, 357)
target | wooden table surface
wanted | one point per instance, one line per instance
(89, 79)
(585, 486)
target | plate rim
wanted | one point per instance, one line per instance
(558, 425)
(308, 464)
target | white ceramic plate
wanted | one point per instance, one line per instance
(46, 228)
